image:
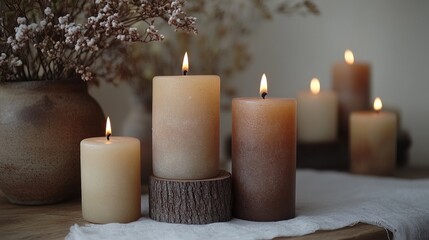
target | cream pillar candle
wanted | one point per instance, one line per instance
(351, 81)
(317, 114)
(110, 176)
(373, 141)
(263, 158)
(185, 126)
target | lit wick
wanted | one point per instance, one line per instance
(263, 89)
(378, 105)
(185, 65)
(108, 129)
(348, 56)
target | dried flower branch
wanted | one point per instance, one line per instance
(52, 39)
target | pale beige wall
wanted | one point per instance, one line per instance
(391, 34)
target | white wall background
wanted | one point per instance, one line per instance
(392, 35)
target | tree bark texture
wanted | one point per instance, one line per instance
(191, 201)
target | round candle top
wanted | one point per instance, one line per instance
(102, 141)
(377, 106)
(316, 93)
(263, 91)
(350, 61)
(376, 116)
(259, 101)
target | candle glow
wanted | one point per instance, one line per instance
(378, 105)
(108, 129)
(348, 56)
(185, 64)
(263, 89)
(315, 86)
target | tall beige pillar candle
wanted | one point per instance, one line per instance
(317, 114)
(185, 126)
(373, 141)
(263, 158)
(351, 81)
(110, 178)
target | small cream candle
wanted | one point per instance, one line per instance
(263, 157)
(110, 176)
(351, 81)
(317, 114)
(185, 126)
(373, 141)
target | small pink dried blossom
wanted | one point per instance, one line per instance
(45, 40)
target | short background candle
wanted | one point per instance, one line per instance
(373, 142)
(352, 82)
(317, 115)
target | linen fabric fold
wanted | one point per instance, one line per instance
(325, 201)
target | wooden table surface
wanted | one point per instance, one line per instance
(54, 221)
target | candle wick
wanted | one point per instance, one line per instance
(108, 137)
(185, 72)
(263, 95)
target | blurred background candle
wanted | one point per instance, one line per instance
(373, 141)
(317, 114)
(110, 175)
(263, 157)
(351, 81)
(185, 126)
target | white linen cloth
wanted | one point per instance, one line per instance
(324, 201)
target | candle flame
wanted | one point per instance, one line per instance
(263, 89)
(348, 56)
(315, 86)
(108, 128)
(378, 105)
(185, 65)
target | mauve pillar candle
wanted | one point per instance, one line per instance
(264, 158)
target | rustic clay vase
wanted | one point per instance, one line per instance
(41, 126)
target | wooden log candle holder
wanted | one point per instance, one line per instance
(191, 201)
